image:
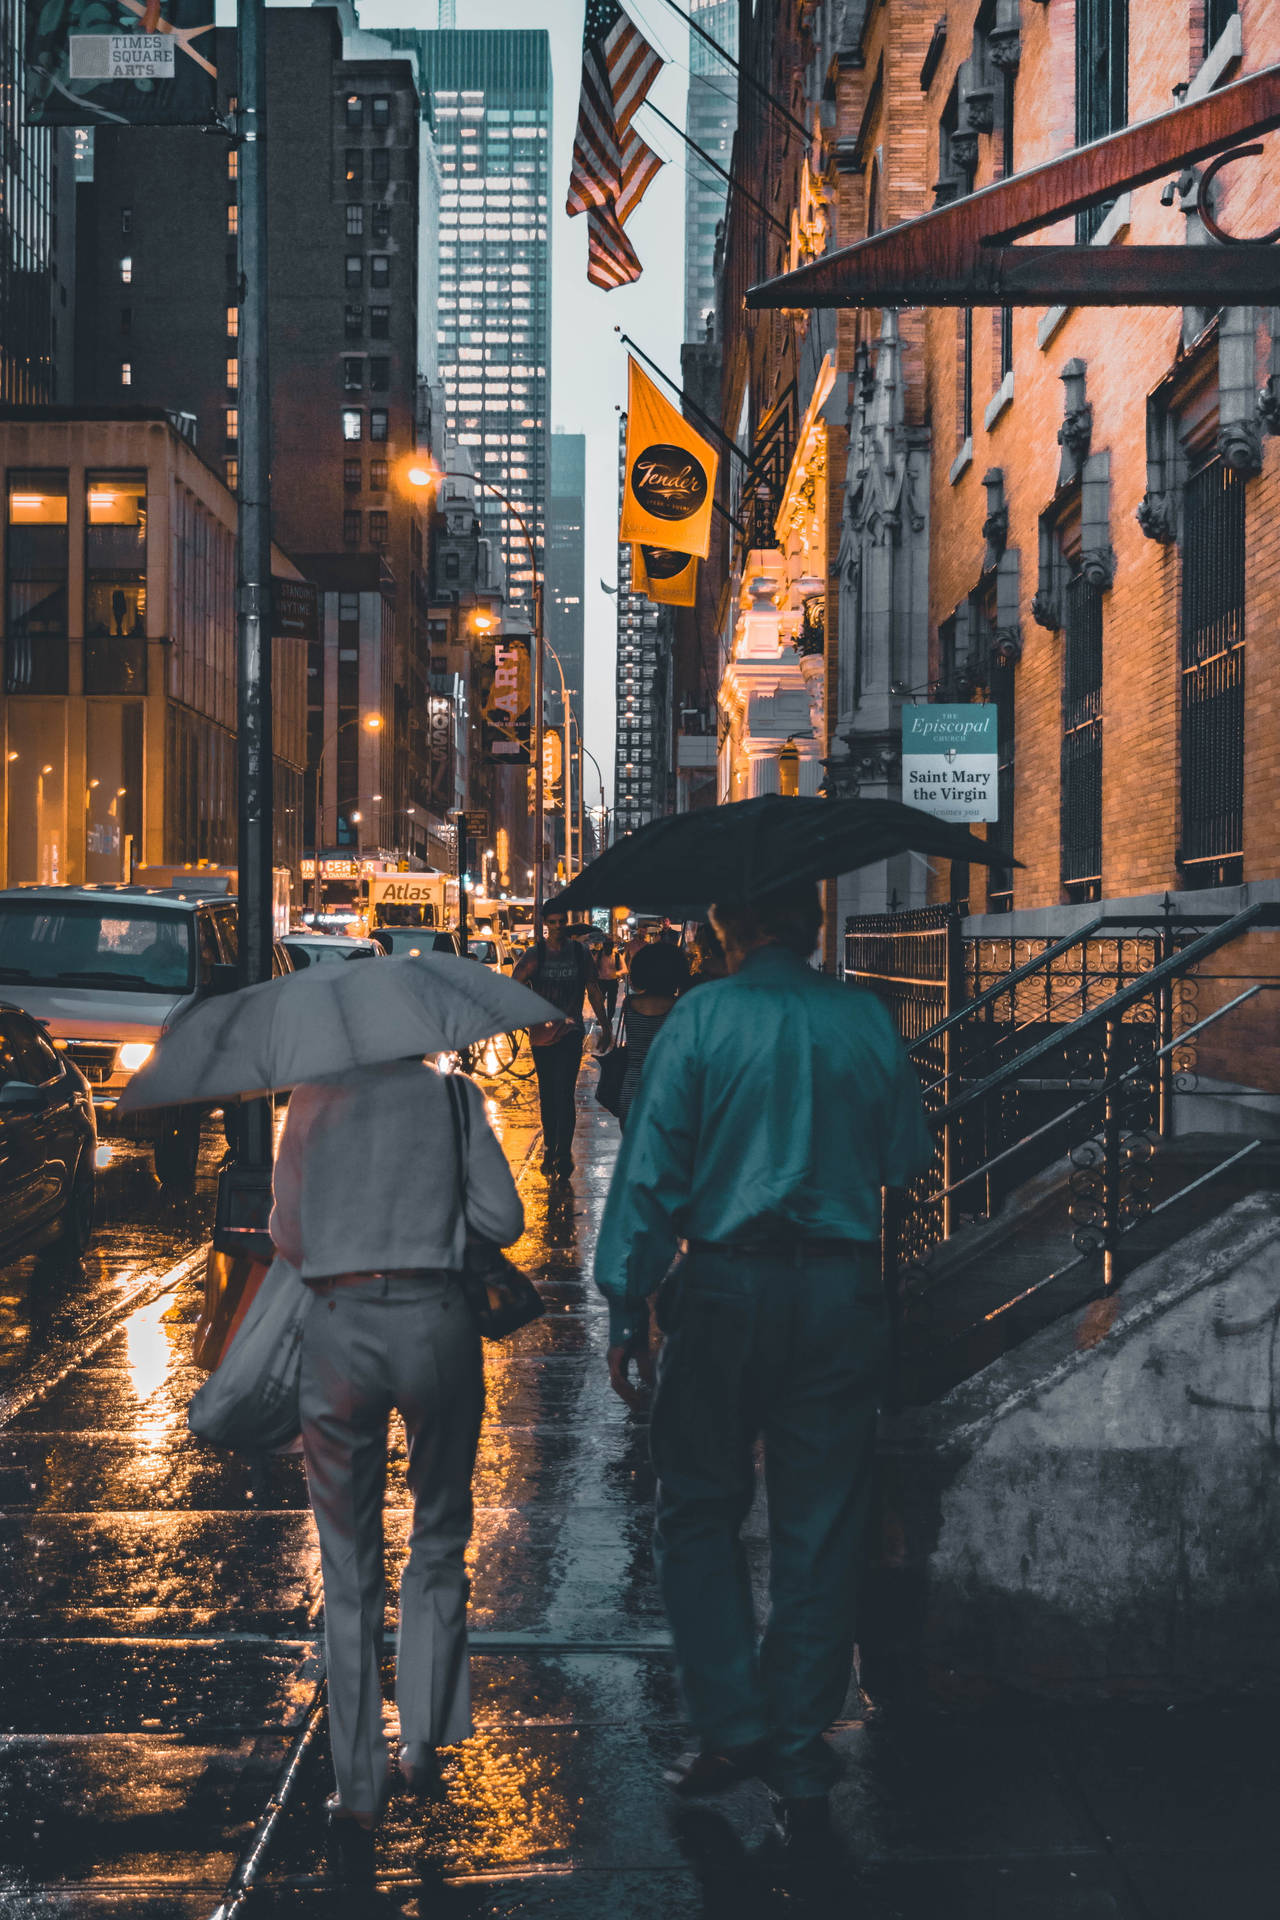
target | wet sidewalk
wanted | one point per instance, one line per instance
(163, 1732)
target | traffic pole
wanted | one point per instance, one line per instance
(244, 1190)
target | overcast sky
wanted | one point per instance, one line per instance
(588, 370)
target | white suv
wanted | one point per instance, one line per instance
(106, 970)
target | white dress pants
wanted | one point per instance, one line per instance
(370, 1345)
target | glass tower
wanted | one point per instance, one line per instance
(491, 94)
(28, 193)
(712, 118)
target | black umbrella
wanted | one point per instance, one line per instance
(749, 848)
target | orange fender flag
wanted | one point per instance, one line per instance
(669, 578)
(670, 474)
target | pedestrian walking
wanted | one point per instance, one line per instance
(660, 975)
(775, 1106)
(389, 1327)
(609, 970)
(563, 972)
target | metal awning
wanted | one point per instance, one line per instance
(959, 256)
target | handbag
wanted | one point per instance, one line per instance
(250, 1400)
(500, 1297)
(613, 1071)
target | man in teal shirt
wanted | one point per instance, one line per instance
(775, 1106)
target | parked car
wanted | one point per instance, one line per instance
(326, 949)
(48, 1142)
(106, 970)
(398, 941)
(492, 950)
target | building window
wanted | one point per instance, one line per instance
(126, 373)
(233, 423)
(354, 168)
(233, 218)
(352, 476)
(233, 373)
(353, 373)
(233, 323)
(379, 270)
(1081, 790)
(115, 583)
(380, 323)
(126, 269)
(351, 527)
(36, 583)
(380, 167)
(378, 523)
(378, 423)
(1212, 647)
(355, 222)
(1217, 14)
(377, 476)
(381, 110)
(1102, 83)
(231, 473)
(355, 270)
(379, 373)
(355, 110)
(352, 423)
(353, 321)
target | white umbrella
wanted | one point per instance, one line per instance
(327, 1020)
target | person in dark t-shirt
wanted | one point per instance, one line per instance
(563, 972)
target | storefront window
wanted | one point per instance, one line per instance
(36, 584)
(115, 592)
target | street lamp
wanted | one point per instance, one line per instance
(372, 723)
(425, 473)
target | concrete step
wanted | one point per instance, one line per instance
(999, 1282)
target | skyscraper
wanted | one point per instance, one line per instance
(566, 567)
(712, 118)
(36, 228)
(491, 92)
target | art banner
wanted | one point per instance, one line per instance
(951, 760)
(669, 473)
(130, 63)
(670, 579)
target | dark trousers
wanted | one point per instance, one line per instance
(791, 1348)
(557, 1069)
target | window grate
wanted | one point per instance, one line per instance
(1102, 84)
(1213, 580)
(1081, 792)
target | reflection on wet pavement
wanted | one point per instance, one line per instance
(159, 1609)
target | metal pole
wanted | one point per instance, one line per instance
(539, 796)
(244, 1191)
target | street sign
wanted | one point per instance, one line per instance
(951, 760)
(474, 823)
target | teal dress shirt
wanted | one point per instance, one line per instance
(777, 1098)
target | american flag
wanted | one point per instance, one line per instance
(611, 165)
(611, 259)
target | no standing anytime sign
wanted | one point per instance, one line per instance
(950, 760)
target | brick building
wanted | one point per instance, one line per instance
(1067, 513)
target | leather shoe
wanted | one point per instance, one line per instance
(714, 1770)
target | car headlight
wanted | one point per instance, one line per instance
(133, 1054)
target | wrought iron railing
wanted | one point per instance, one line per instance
(1044, 1068)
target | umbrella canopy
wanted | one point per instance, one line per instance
(749, 848)
(327, 1020)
